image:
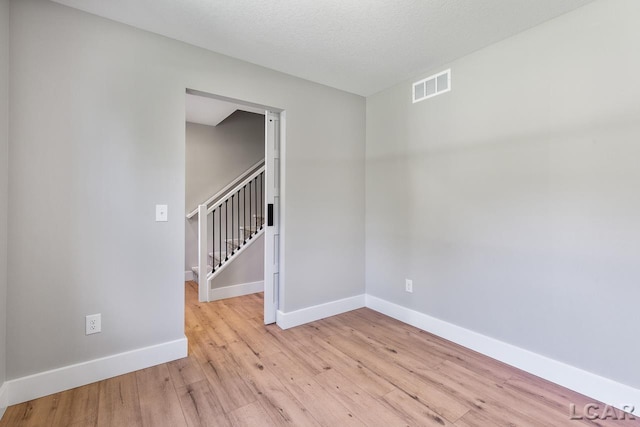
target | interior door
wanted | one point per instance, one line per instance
(272, 230)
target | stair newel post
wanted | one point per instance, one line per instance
(203, 286)
(250, 211)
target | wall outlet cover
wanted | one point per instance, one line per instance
(93, 324)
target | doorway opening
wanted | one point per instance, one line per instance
(233, 199)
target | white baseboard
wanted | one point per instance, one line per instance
(188, 276)
(44, 383)
(317, 312)
(235, 290)
(3, 399)
(599, 388)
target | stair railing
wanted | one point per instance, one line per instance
(229, 187)
(227, 226)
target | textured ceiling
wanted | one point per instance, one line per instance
(360, 46)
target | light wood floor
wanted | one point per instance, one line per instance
(359, 368)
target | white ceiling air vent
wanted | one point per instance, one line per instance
(432, 86)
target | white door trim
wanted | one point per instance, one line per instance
(273, 199)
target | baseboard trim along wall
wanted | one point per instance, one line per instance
(317, 312)
(44, 383)
(235, 290)
(602, 389)
(188, 276)
(3, 399)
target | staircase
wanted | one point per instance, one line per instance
(228, 223)
(219, 258)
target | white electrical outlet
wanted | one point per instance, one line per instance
(408, 285)
(93, 324)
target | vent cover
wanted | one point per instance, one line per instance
(432, 86)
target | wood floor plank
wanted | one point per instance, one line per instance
(287, 368)
(251, 415)
(281, 405)
(322, 404)
(225, 378)
(202, 326)
(404, 340)
(426, 345)
(492, 399)
(387, 350)
(246, 310)
(159, 403)
(297, 351)
(78, 406)
(34, 413)
(320, 329)
(250, 332)
(370, 410)
(468, 358)
(185, 371)
(477, 418)
(218, 325)
(285, 408)
(118, 404)
(420, 414)
(368, 380)
(200, 406)
(431, 346)
(450, 407)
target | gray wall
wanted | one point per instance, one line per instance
(215, 156)
(97, 139)
(4, 175)
(247, 268)
(512, 201)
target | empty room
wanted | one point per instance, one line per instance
(319, 213)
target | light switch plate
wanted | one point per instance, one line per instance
(162, 213)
